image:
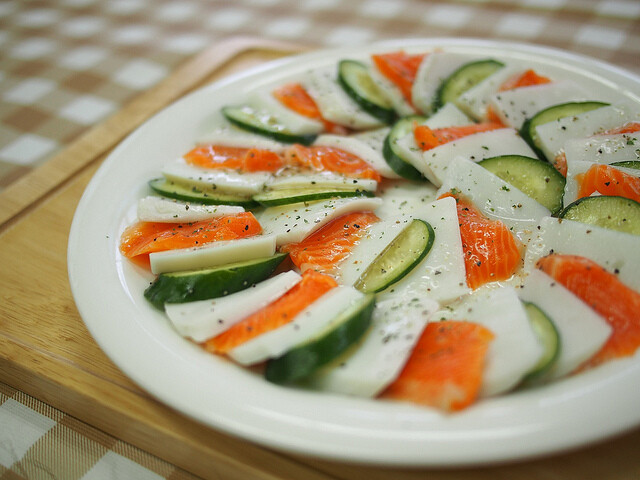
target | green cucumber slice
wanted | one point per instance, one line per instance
(304, 359)
(190, 193)
(264, 124)
(393, 156)
(404, 252)
(354, 78)
(181, 287)
(548, 337)
(464, 78)
(615, 213)
(551, 114)
(285, 197)
(635, 164)
(532, 176)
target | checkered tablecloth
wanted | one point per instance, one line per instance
(66, 65)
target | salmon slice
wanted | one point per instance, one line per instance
(295, 97)
(605, 294)
(445, 367)
(428, 138)
(607, 180)
(560, 162)
(400, 68)
(528, 78)
(234, 158)
(278, 313)
(331, 244)
(143, 238)
(491, 252)
(331, 159)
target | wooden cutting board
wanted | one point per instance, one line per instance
(46, 351)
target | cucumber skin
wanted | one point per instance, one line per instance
(542, 368)
(220, 282)
(385, 115)
(402, 168)
(311, 197)
(302, 361)
(404, 272)
(527, 128)
(440, 97)
(198, 195)
(278, 136)
(579, 206)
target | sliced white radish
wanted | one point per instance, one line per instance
(393, 93)
(434, 69)
(494, 197)
(377, 359)
(226, 180)
(404, 199)
(213, 254)
(515, 349)
(205, 319)
(361, 150)
(374, 138)
(622, 147)
(553, 135)
(582, 331)
(434, 163)
(515, 106)
(334, 103)
(235, 137)
(610, 249)
(292, 223)
(316, 318)
(327, 179)
(264, 101)
(474, 101)
(158, 209)
(441, 275)
(447, 116)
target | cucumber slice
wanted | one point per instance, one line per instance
(615, 213)
(549, 338)
(302, 360)
(263, 123)
(635, 164)
(354, 78)
(393, 156)
(404, 252)
(285, 197)
(189, 193)
(537, 178)
(181, 287)
(465, 77)
(551, 114)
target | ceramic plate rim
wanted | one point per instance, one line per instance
(138, 340)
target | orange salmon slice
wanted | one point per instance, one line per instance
(234, 158)
(295, 97)
(491, 252)
(330, 159)
(445, 367)
(331, 244)
(608, 180)
(143, 238)
(605, 294)
(428, 138)
(400, 68)
(278, 313)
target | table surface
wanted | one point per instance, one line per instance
(67, 66)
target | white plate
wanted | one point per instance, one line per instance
(140, 340)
